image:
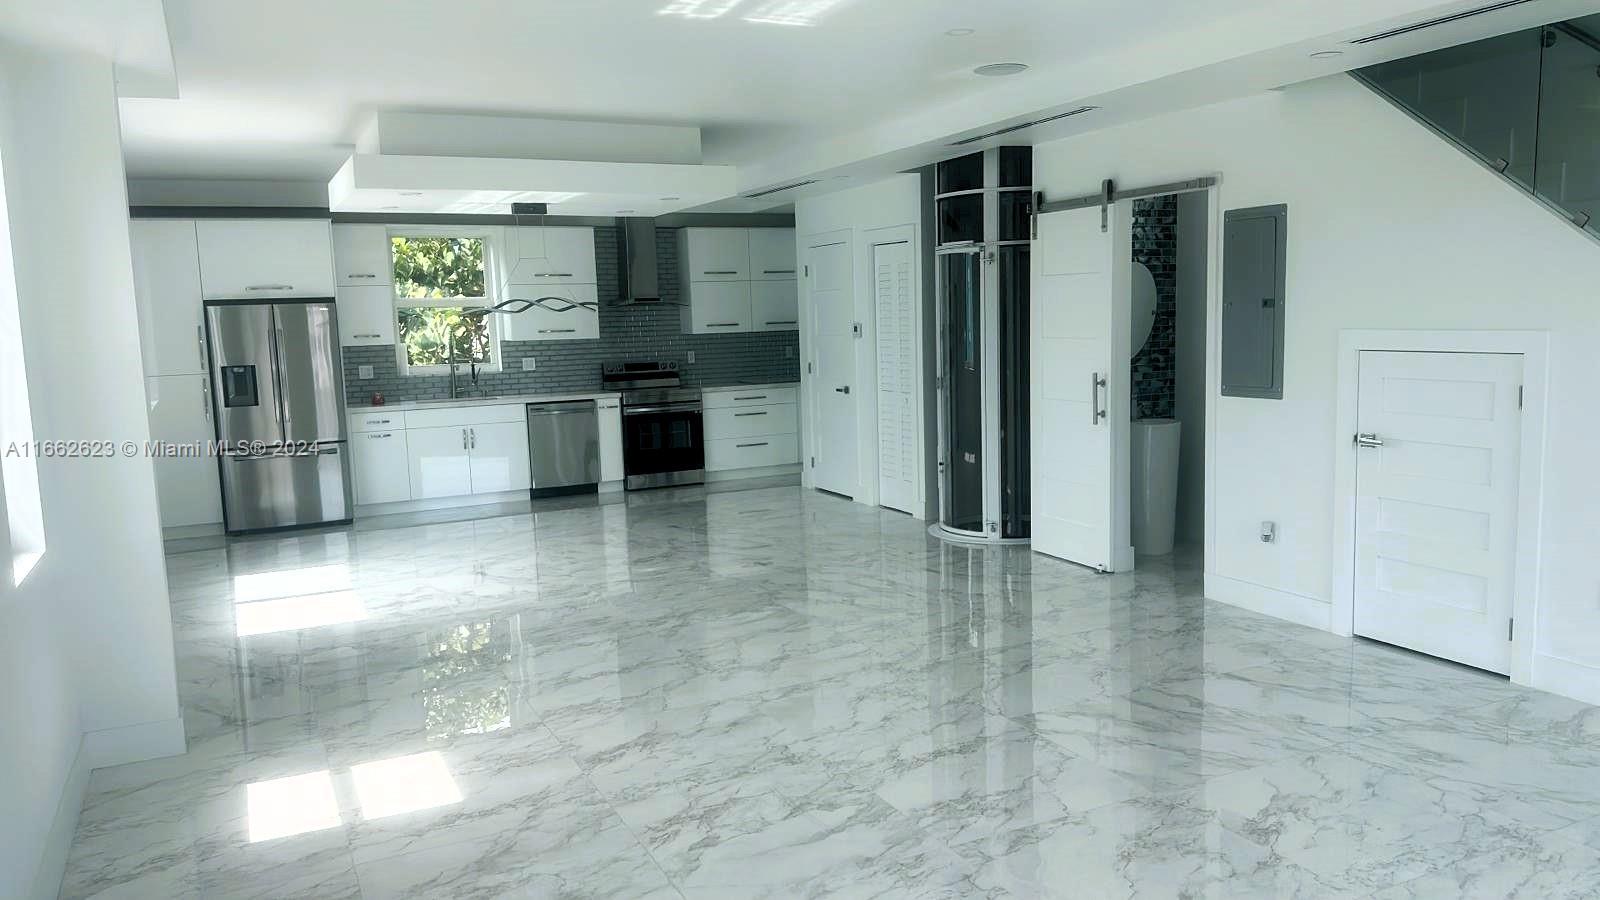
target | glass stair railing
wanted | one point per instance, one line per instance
(1526, 104)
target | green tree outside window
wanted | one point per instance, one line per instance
(440, 268)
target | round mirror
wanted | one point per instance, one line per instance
(1144, 306)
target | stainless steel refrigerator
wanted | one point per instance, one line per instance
(278, 387)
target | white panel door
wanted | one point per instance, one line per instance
(166, 283)
(899, 386)
(440, 466)
(1080, 302)
(1436, 502)
(266, 257)
(832, 313)
(499, 453)
(187, 484)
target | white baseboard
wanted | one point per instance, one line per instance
(179, 532)
(63, 826)
(1566, 677)
(134, 743)
(761, 472)
(410, 506)
(1297, 608)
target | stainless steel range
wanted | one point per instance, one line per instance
(662, 441)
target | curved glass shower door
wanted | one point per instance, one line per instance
(961, 284)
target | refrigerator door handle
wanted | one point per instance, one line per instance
(282, 376)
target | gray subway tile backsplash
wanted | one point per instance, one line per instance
(627, 333)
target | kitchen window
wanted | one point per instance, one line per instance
(439, 274)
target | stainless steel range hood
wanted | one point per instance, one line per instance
(640, 282)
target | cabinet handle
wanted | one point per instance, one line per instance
(383, 435)
(377, 421)
(777, 271)
(200, 342)
(558, 331)
(474, 433)
(359, 275)
(359, 336)
(463, 439)
(720, 272)
(783, 322)
(753, 397)
(742, 415)
(205, 396)
(722, 324)
(761, 444)
(552, 274)
(270, 287)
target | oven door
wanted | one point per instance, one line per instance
(662, 444)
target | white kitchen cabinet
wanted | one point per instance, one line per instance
(772, 254)
(381, 466)
(751, 428)
(166, 284)
(377, 419)
(187, 485)
(553, 320)
(550, 255)
(714, 254)
(774, 306)
(752, 421)
(366, 315)
(609, 412)
(265, 257)
(753, 452)
(439, 462)
(498, 454)
(717, 307)
(362, 255)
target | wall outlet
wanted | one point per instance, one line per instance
(691, 357)
(527, 364)
(363, 372)
(1269, 532)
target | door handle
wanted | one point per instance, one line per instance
(1096, 382)
(1368, 440)
(842, 390)
(283, 380)
(205, 395)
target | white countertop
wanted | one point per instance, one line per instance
(754, 385)
(503, 400)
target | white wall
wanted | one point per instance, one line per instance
(1389, 228)
(892, 202)
(205, 192)
(1190, 389)
(86, 657)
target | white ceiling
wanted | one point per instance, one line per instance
(279, 90)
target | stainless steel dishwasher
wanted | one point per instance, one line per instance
(563, 447)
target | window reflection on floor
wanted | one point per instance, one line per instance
(404, 784)
(464, 686)
(288, 806)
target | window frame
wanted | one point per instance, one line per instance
(491, 238)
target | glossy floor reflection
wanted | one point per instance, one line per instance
(772, 693)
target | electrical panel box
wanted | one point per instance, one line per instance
(1254, 254)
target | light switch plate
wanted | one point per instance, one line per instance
(363, 372)
(527, 364)
(691, 357)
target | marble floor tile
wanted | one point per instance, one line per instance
(775, 693)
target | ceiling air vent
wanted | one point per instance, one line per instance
(1010, 128)
(1441, 20)
(779, 189)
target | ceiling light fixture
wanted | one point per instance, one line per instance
(1000, 70)
(1327, 54)
(959, 32)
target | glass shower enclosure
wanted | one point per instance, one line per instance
(983, 205)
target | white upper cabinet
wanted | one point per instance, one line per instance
(714, 254)
(774, 306)
(718, 307)
(265, 257)
(366, 315)
(361, 255)
(166, 279)
(561, 314)
(772, 254)
(544, 255)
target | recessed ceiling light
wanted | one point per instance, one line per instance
(1327, 54)
(997, 70)
(959, 32)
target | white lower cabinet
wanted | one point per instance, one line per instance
(609, 412)
(751, 428)
(439, 462)
(498, 457)
(752, 452)
(187, 484)
(382, 469)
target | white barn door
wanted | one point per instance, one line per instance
(894, 299)
(1080, 385)
(1437, 465)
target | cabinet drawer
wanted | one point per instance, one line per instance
(754, 396)
(750, 421)
(376, 421)
(752, 453)
(446, 416)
